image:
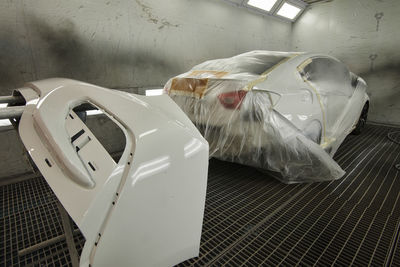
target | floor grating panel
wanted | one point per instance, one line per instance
(251, 218)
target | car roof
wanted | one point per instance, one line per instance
(256, 56)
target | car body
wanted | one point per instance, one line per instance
(279, 111)
(144, 210)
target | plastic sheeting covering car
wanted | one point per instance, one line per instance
(276, 111)
(144, 210)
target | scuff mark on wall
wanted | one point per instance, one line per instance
(372, 57)
(154, 19)
(64, 44)
(378, 17)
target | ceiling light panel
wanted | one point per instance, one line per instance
(262, 4)
(288, 11)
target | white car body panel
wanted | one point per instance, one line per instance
(280, 111)
(145, 210)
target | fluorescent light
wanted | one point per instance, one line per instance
(153, 92)
(262, 4)
(5, 122)
(288, 11)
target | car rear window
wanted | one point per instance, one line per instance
(256, 62)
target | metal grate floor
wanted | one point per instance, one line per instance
(250, 218)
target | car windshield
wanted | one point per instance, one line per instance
(255, 62)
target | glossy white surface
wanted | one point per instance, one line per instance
(281, 111)
(333, 102)
(145, 210)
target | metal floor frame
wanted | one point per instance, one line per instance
(250, 218)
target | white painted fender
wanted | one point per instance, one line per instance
(145, 210)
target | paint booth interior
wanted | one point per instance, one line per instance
(200, 133)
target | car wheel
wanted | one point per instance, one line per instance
(362, 120)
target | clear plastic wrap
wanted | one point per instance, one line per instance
(241, 104)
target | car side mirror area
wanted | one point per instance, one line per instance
(354, 79)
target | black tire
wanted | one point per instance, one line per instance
(362, 120)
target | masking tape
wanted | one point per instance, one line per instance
(213, 73)
(189, 87)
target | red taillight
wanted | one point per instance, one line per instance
(232, 100)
